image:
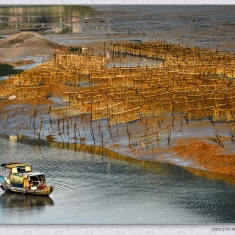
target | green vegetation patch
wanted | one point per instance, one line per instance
(65, 30)
(6, 69)
(76, 49)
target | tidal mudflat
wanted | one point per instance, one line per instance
(176, 104)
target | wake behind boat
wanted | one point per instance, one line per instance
(19, 178)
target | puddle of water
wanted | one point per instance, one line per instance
(131, 61)
(3, 78)
(14, 70)
(37, 60)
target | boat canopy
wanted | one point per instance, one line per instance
(20, 171)
(12, 165)
(18, 167)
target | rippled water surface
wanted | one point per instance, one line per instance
(91, 189)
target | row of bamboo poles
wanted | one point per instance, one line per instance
(197, 98)
(195, 82)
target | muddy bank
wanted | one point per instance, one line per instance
(153, 165)
(208, 156)
(29, 119)
(27, 43)
(40, 91)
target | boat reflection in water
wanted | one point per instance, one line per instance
(8, 200)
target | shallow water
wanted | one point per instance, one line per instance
(190, 25)
(207, 26)
(91, 189)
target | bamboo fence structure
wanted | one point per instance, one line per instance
(192, 81)
(150, 135)
(197, 82)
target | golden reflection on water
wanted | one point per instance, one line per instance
(229, 179)
(155, 167)
(15, 16)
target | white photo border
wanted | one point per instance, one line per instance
(59, 229)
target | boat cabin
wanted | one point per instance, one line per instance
(20, 178)
(21, 175)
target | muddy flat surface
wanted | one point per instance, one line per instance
(192, 143)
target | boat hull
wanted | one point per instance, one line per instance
(41, 192)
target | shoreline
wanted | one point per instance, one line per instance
(147, 164)
(30, 118)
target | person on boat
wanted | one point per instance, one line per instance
(41, 185)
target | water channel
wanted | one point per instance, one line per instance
(94, 189)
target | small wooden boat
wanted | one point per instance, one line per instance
(19, 178)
